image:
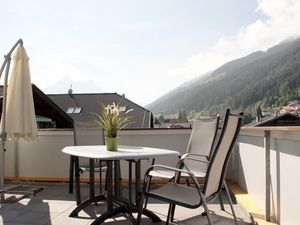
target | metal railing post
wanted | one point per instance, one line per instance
(268, 174)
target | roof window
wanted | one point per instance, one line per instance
(122, 108)
(70, 110)
(74, 110)
(77, 110)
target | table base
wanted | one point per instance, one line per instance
(125, 209)
(85, 203)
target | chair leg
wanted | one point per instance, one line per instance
(221, 202)
(172, 212)
(140, 208)
(230, 202)
(204, 203)
(187, 182)
(169, 216)
(147, 190)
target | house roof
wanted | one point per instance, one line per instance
(45, 107)
(285, 119)
(91, 103)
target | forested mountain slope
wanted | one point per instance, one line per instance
(270, 78)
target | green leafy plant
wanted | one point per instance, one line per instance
(112, 119)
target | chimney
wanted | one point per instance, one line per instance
(70, 92)
(123, 95)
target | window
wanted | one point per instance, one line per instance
(76, 110)
(70, 110)
(122, 108)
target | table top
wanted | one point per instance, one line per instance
(123, 152)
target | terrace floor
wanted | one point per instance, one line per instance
(53, 205)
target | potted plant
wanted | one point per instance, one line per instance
(112, 120)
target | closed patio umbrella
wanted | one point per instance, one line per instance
(18, 114)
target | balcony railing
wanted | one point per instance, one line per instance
(265, 163)
(268, 165)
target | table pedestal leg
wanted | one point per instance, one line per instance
(109, 185)
(127, 209)
(93, 198)
(77, 180)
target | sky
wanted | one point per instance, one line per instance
(139, 48)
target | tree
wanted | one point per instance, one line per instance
(181, 114)
(156, 121)
(247, 118)
(161, 118)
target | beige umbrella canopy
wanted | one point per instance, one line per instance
(18, 117)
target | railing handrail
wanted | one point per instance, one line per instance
(275, 128)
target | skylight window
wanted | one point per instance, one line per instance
(70, 110)
(74, 110)
(122, 108)
(77, 110)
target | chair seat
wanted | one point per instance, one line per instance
(162, 174)
(167, 174)
(178, 194)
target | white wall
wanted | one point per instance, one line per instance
(43, 158)
(285, 170)
(251, 155)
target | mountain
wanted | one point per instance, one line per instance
(270, 78)
(62, 86)
(158, 105)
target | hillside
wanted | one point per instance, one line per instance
(270, 78)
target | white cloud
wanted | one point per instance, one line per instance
(129, 27)
(282, 22)
(18, 11)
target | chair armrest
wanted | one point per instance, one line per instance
(194, 155)
(188, 156)
(177, 173)
(166, 168)
(153, 160)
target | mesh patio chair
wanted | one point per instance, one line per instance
(200, 145)
(195, 195)
(87, 133)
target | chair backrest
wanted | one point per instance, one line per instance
(201, 142)
(217, 166)
(202, 137)
(88, 133)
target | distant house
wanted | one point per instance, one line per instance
(174, 125)
(172, 120)
(285, 119)
(81, 106)
(48, 114)
(292, 107)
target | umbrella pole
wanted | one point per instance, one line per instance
(7, 60)
(3, 119)
(2, 143)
